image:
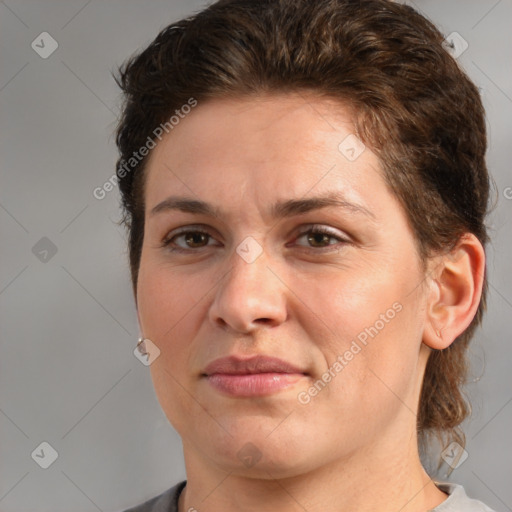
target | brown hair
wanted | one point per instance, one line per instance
(412, 104)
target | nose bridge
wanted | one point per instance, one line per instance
(249, 294)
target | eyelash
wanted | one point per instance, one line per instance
(312, 230)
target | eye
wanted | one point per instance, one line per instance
(319, 237)
(194, 238)
(191, 238)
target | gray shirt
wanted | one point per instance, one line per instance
(457, 501)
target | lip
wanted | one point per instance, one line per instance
(254, 376)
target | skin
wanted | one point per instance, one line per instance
(304, 299)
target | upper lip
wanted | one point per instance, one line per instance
(234, 365)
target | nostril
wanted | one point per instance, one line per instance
(222, 323)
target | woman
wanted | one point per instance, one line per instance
(305, 189)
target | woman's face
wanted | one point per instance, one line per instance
(344, 306)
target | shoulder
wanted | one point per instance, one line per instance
(458, 500)
(165, 502)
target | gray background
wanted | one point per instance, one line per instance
(68, 375)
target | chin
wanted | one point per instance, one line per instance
(261, 452)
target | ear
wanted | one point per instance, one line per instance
(455, 290)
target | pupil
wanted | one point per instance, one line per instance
(192, 238)
(314, 238)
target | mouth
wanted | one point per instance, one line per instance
(256, 376)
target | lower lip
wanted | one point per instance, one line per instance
(256, 384)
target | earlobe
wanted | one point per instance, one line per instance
(456, 289)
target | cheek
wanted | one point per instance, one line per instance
(347, 301)
(163, 298)
(170, 309)
(372, 321)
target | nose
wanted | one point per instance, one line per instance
(249, 296)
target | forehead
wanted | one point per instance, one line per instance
(261, 127)
(263, 148)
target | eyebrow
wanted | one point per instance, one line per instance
(279, 210)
